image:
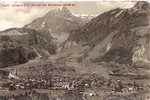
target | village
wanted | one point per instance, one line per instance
(70, 83)
(85, 85)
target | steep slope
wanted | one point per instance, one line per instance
(41, 37)
(58, 23)
(19, 45)
(120, 35)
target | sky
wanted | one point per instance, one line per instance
(18, 16)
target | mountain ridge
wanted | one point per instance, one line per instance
(123, 24)
(59, 23)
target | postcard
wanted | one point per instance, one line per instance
(75, 50)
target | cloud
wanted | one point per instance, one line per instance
(19, 16)
(107, 5)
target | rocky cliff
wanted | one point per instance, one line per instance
(59, 23)
(120, 35)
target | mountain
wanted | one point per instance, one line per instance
(41, 37)
(59, 23)
(113, 47)
(119, 35)
(19, 45)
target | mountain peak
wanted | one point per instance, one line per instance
(142, 5)
(65, 11)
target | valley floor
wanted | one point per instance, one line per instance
(60, 79)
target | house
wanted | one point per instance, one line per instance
(13, 74)
(61, 85)
(60, 82)
(4, 74)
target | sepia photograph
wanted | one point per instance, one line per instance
(75, 50)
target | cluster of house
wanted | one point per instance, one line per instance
(61, 82)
